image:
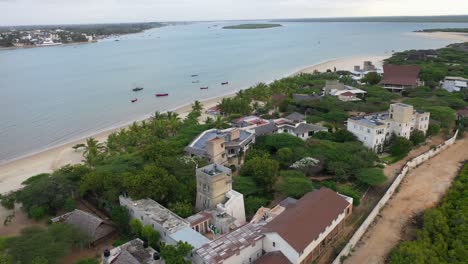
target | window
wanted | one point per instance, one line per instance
(368, 130)
(141, 218)
(274, 244)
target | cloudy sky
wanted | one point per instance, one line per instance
(16, 12)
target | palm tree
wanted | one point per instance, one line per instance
(219, 122)
(197, 106)
(92, 150)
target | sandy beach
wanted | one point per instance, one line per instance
(452, 36)
(15, 172)
(346, 63)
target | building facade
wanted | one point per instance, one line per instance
(375, 130)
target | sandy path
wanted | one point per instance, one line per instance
(422, 188)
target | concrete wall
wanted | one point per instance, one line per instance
(383, 201)
(280, 245)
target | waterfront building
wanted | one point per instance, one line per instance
(374, 130)
(399, 77)
(225, 147)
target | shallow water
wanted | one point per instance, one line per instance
(52, 95)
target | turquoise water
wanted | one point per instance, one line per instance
(52, 95)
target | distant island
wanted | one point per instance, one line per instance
(51, 35)
(252, 26)
(454, 30)
(396, 19)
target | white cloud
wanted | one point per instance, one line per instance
(101, 11)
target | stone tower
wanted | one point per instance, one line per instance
(213, 182)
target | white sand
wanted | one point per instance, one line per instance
(15, 172)
(346, 63)
(452, 36)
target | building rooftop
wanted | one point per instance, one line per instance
(90, 224)
(303, 222)
(296, 117)
(199, 144)
(158, 213)
(187, 234)
(215, 169)
(132, 252)
(230, 244)
(275, 257)
(400, 74)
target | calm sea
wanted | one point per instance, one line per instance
(52, 95)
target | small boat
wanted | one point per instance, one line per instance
(117, 40)
(197, 81)
(134, 100)
(137, 89)
(204, 88)
(194, 75)
(224, 83)
(161, 94)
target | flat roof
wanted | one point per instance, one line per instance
(160, 214)
(231, 243)
(187, 234)
(215, 169)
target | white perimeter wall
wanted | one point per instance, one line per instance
(383, 201)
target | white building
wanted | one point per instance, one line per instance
(132, 252)
(299, 234)
(170, 226)
(454, 84)
(342, 91)
(376, 129)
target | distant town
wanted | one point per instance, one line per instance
(37, 36)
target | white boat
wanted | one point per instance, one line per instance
(49, 42)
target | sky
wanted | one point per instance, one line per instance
(28, 12)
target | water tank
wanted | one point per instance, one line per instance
(156, 256)
(145, 243)
(106, 253)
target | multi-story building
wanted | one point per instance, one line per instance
(214, 191)
(298, 233)
(224, 147)
(375, 130)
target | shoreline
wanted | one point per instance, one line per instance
(16, 170)
(452, 36)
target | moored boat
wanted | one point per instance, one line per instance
(194, 75)
(197, 81)
(224, 83)
(134, 100)
(161, 94)
(204, 88)
(137, 89)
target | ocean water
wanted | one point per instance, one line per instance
(51, 95)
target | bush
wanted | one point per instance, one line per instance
(294, 184)
(253, 203)
(417, 137)
(371, 176)
(88, 261)
(37, 212)
(433, 130)
(400, 146)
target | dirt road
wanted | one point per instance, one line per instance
(422, 188)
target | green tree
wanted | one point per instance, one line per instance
(136, 227)
(372, 78)
(263, 170)
(433, 130)
(294, 184)
(417, 137)
(40, 260)
(343, 135)
(151, 235)
(285, 156)
(37, 244)
(182, 209)
(37, 212)
(400, 146)
(371, 176)
(176, 254)
(253, 203)
(121, 218)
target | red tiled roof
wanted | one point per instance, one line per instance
(347, 94)
(275, 257)
(303, 222)
(463, 112)
(400, 74)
